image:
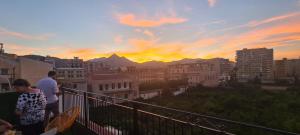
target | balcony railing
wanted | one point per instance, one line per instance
(105, 115)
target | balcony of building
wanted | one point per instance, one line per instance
(105, 115)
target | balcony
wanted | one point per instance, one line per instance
(105, 115)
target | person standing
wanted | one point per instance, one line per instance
(30, 107)
(49, 86)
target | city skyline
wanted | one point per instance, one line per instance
(150, 30)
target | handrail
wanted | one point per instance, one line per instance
(191, 113)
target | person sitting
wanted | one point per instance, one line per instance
(30, 107)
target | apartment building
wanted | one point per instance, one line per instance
(287, 69)
(255, 64)
(72, 78)
(148, 75)
(70, 72)
(13, 67)
(65, 63)
(114, 84)
(204, 72)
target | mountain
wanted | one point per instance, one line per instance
(186, 61)
(115, 61)
(153, 64)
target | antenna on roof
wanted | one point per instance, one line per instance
(1, 48)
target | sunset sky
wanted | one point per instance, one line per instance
(145, 30)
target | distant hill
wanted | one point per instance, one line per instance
(185, 61)
(115, 61)
(153, 64)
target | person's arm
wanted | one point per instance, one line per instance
(4, 125)
(56, 89)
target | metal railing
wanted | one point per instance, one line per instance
(107, 115)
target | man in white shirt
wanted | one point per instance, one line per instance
(49, 86)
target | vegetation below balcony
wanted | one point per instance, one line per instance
(278, 109)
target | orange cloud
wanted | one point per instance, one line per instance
(20, 49)
(132, 20)
(5, 32)
(271, 36)
(211, 3)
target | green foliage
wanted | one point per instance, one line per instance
(278, 110)
(162, 84)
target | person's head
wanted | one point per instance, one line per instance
(52, 74)
(21, 85)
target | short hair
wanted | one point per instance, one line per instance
(21, 83)
(51, 73)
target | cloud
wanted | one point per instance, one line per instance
(149, 33)
(273, 19)
(271, 36)
(145, 32)
(9, 33)
(133, 21)
(118, 39)
(20, 49)
(212, 3)
(255, 23)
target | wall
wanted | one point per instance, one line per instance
(32, 70)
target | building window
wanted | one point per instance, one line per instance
(130, 85)
(4, 71)
(106, 86)
(100, 87)
(125, 85)
(74, 86)
(113, 86)
(119, 85)
(126, 96)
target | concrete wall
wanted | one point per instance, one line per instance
(32, 70)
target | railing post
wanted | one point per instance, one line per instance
(135, 120)
(85, 109)
(63, 99)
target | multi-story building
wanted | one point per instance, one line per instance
(287, 69)
(13, 67)
(114, 84)
(93, 67)
(70, 72)
(148, 75)
(65, 63)
(255, 64)
(72, 78)
(204, 72)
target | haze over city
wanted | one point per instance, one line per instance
(150, 30)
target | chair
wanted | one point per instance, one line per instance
(64, 120)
